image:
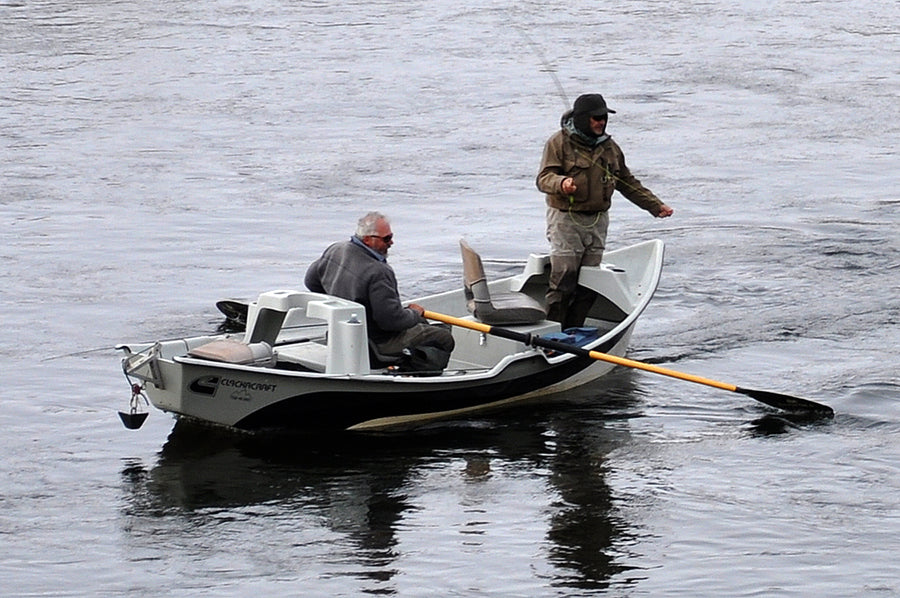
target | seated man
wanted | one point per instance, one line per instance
(357, 270)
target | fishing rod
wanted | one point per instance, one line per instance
(547, 66)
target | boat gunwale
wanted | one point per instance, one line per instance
(653, 266)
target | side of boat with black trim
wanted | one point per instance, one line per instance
(303, 360)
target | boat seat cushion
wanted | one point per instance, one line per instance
(233, 351)
(308, 354)
(506, 308)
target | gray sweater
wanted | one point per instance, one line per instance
(352, 272)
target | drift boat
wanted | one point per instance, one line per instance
(303, 360)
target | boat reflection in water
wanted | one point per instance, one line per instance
(344, 504)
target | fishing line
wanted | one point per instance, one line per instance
(584, 226)
(78, 353)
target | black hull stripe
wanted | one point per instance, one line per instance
(339, 410)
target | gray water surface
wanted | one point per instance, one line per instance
(157, 157)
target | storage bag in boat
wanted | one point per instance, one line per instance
(424, 360)
(578, 336)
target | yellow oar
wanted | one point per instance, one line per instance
(773, 399)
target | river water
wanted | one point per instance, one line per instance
(159, 156)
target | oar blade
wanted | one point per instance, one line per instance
(788, 402)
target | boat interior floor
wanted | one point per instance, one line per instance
(475, 351)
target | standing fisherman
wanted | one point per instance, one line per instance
(580, 169)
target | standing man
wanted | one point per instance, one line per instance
(357, 270)
(580, 169)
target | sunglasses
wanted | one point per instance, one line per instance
(601, 117)
(386, 238)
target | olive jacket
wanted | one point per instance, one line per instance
(597, 172)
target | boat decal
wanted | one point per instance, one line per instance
(245, 385)
(205, 385)
(209, 385)
(241, 395)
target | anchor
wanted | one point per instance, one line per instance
(134, 419)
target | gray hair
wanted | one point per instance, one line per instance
(365, 227)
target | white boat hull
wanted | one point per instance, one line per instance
(305, 383)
